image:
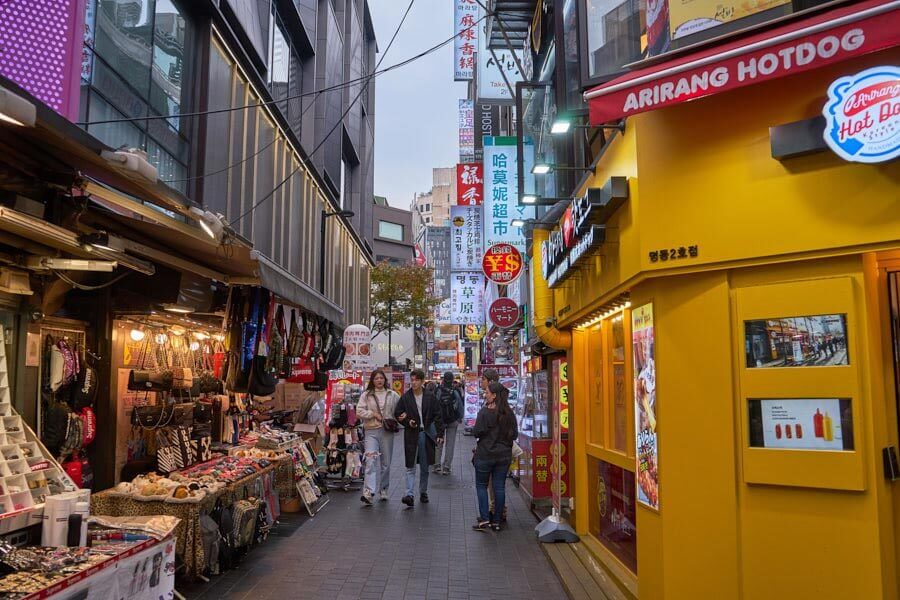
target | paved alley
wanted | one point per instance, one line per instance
(348, 552)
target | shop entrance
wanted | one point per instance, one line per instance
(893, 280)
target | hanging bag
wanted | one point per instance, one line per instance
(389, 424)
(302, 371)
(309, 340)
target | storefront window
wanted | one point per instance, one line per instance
(612, 516)
(619, 395)
(616, 35)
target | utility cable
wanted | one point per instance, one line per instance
(336, 125)
(91, 288)
(364, 79)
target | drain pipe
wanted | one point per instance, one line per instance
(554, 528)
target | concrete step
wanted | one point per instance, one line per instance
(576, 579)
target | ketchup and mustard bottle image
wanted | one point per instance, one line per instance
(827, 428)
(818, 425)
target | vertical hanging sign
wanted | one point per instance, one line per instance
(501, 193)
(467, 298)
(465, 238)
(466, 131)
(469, 184)
(646, 443)
(465, 19)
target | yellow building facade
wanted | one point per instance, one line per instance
(774, 300)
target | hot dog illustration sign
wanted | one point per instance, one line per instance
(863, 116)
(502, 263)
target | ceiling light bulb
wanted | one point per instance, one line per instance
(219, 337)
(137, 335)
(195, 346)
(529, 199)
(177, 330)
(161, 338)
(560, 126)
(201, 335)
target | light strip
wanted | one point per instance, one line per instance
(605, 315)
(740, 50)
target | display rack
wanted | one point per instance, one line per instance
(27, 469)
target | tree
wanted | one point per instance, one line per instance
(400, 298)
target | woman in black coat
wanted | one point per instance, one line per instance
(422, 430)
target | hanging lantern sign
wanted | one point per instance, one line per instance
(502, 263)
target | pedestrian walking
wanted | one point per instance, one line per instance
(496, 430)
(376, 410)
(420, 414)
(452, 414)
(489, 376)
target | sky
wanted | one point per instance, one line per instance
(416, 106)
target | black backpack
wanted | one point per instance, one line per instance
(449, 407)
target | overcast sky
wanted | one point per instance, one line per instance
(416, 106)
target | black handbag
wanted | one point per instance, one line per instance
(319, 384)
(262, 383)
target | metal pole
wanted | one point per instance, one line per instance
(390, 332)
(322, 254)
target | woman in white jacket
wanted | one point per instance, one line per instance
(375, 406)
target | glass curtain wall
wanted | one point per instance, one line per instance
(135, 60)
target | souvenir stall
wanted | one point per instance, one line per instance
(59, 548)
(344, 440)
(217, 419)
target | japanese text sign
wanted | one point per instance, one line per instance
(465, 238)
(466, 298)
(469, 184)
(504, 312)
(465, 19)
(502, 263)
(501, 193)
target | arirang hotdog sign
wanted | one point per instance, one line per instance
(822, 40)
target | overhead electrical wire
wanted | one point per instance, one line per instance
(364, 79)
(350, 106)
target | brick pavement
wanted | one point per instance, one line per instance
(349, 552)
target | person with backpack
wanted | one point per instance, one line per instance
(452, 412)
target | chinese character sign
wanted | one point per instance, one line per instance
(646, 445)
(501, 194)
(465, 238)
(467, 298)
(465, 20)
(469, 184)
(502, 264)
(466, 131)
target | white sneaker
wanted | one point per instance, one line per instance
(383, 495)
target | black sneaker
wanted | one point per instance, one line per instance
(482, 526)
(495, 526)
(366, 499)
(408, 500)
(423, 498)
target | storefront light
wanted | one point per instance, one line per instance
(195, 346)
(560, 126)
(529, 199)
(201, 335)
(541, 168)
(177, 330)
(219, 337)
(161, 338)
(137, 335)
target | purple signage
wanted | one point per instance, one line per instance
(40, 49)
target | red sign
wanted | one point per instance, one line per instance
(420, 256)
(541, 460)
(800, 46)
(502, 263)
(504, 312)
(469, 184)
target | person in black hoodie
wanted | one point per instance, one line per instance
(496, 430)
(419, 412)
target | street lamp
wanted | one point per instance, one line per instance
(529, 199)
(544, 168)
(325, 215)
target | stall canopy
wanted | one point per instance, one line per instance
(293, 291)
(809, 43)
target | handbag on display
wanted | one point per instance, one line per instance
(334, 357)
(74, 435)
(86, 388)
(55, 426)
(57, 365)
(90, 425)
(173, 449)
(302, 371)
(275, 362)
(309, 341)
(182, 378)
(261, 381)
(319, 382)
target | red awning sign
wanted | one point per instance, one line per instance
(811, 43)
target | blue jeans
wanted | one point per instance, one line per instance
(422, 461)
(494, 471)
(379, 445)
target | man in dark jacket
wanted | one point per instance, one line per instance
(452, 414)
(420, 414)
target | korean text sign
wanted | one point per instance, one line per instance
(501, 193)
(495, 69)
(465, 19)
(646, 442)
(465, 238)
(467, 298)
